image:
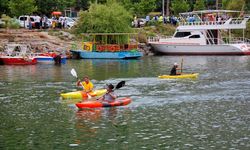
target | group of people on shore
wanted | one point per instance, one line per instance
(43, 22)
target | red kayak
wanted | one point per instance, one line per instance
(95, 104)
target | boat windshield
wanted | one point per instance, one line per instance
(182, 34)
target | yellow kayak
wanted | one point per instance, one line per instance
(182, 76)
(82, 95)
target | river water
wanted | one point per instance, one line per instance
(211, 112)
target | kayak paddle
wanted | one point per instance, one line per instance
(73, 72)
(120, 84)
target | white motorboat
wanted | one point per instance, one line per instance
(205, 32)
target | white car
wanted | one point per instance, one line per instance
(24, 20)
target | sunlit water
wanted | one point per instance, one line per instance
(211, 112)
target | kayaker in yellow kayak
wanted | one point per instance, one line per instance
(173, 71)
(86, 84)
(109, 96)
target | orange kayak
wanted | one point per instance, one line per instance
(94, 104)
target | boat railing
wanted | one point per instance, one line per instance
(235, 40)
(238, 40)
(114, 47)
(231, 21)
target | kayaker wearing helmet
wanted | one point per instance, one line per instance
(110, 95)
(86, 84)
(174, 70)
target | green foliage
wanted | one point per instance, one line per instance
(160, 29)
(233, 4)
(48, 6)
(179, 6)
(10, 23)
(139, 7)
(199, 5)
(109, 18)
(247, 8)
(81, 4)
(4, 7)
(24, 7)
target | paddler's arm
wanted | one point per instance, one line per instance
(112, 95)
(78, 83)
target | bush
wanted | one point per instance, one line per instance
(10, 23)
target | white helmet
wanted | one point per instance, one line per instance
(175, 64)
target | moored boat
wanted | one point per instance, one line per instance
(205, 32)
(83, 95)
(16, 54)
(49, 58)
(95, 104)
(108, 46)
(17, 60)
(182, 76)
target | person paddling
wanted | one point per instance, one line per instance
(109, 96)
(86, 84)
(174, 69)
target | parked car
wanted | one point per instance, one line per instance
(24, 20)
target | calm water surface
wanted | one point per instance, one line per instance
(212, 112)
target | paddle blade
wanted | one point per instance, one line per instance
(120, 84)
(73, 72)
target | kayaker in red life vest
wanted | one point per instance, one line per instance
(173, 71)
(109, 96)
(86, 84)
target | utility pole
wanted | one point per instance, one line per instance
(163, 13)
(167, 8)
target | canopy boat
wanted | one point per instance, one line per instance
(206, 32)
(15, 54)
(182, 76)
(108, 46)
(96, 104)
(83, 95)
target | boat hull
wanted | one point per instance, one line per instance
(17, 61)
(82, 95)
(183, 76)
(107, 55)
(169, 49)
(96, 104)
(49, 59)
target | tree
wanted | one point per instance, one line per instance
(199, 5)
(100, 18)
(4, 7)
(179, 6)
(139, 7)
(81, 4)
(18, 8)
(48, 6)
(234, 5)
